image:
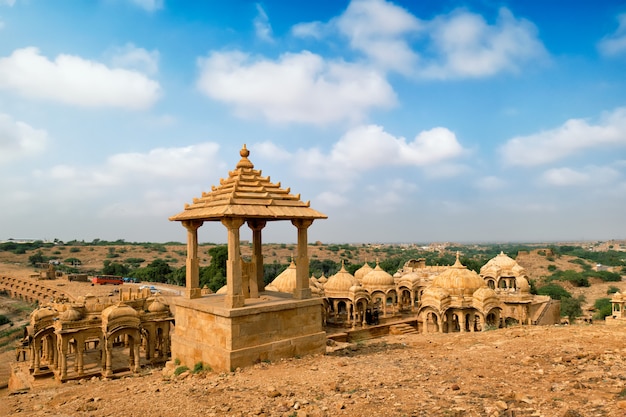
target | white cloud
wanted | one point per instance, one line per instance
(377, 28)
(270, 151)
(573, 136)
(466, 46)
(262, 25)
(309, 30)
(157, 165)
(331, 199)
(387, 197)
(589, 176)
(73, 80)
(460, 44)
(19, 140)
(149, 5)
(133, 58)
(367, 148)
(299, 87)
(615, 43)
(490, 183)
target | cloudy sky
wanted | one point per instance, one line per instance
(405, 121)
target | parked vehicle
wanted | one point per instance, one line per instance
(107, 279)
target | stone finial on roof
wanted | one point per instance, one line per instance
(244, 162)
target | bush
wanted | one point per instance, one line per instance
(555, 291)
(4, 320)
(180, 370)
(605, 276)
(200, 367)
(612, 290)
(572, 307)
(578, 279)
(552, 268)
(603, 308)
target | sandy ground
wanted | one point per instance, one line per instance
(563, 371)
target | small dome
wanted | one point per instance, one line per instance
(459, 280)
(322, 279)
(485, 293)
(71, 314)
(286, 280)
(411, 276)
(500, 264)
(378, 277)
(436, 293)
(522, 284)
(42, 313)
(157, 307)
(362, 271)
(222, 290)
(341, 281)
(118, 311)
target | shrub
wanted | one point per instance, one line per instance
(572, 307)
(552, 268)
(201, 367)
(612, 290)
(603, 308)
(605, 276)
(197, 368)
(180, 370)
(555, 291)
(74, 250)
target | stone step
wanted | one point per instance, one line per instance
(402, 328)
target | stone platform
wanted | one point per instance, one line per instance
(267, 328)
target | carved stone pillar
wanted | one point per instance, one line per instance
(63, 358)
(37, 355)
(135, 352)
(108, 369)
(302, 290)
(192, 279)
(257, 284)
(80, 348)
(234, 295)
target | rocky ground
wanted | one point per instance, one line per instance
(559, 371)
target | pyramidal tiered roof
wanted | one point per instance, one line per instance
(246, 193)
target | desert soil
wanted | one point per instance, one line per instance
(563, 371)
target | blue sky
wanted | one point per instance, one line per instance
(406, 121)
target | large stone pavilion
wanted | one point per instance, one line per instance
(246, 324)
(446, 299)
(95, 336)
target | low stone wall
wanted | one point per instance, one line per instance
(30, 290)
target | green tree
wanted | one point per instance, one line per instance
(571, 307)
(114, 268)
(555, 291)
(214, 275)
(178, 276)
(603, 308)
(37, 258)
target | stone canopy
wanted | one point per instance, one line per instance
(249, 195)
(246, 196)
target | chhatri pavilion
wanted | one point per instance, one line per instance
(246, 324)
